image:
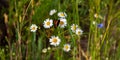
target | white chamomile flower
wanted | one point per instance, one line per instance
(54, 40)
(44, 50)
(74, 27)
(48, 23)
(79, 31)
(96, 15)
(62, 14)
(48, 48)
(63, 23)
(33, 28)
(93, 22)
(52, 12)
(66, 47)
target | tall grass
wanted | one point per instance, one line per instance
(102, 42)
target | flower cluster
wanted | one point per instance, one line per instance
(62, 23)
(76, 29)
(44, 50)
(48, 23)
(62, 17)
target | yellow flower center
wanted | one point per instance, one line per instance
(78, 32)
(62, 14)
(54, 40)
(61, 22)
(74, 27)
(66, 47)
(48, 23)
(33, 28)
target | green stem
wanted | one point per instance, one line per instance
(58, 58)
(34, 46)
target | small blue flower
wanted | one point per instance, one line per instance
(100, 25)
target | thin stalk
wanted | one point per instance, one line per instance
(77, 15)
(8, 36)
(24, 14)
(59, 5)
(106, 32)
(74, 44)
(79, 48)
(58, 58)
(19, 48)
(34, 46)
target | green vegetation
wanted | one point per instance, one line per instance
(98, 19)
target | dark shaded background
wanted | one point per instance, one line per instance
(3, 9)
